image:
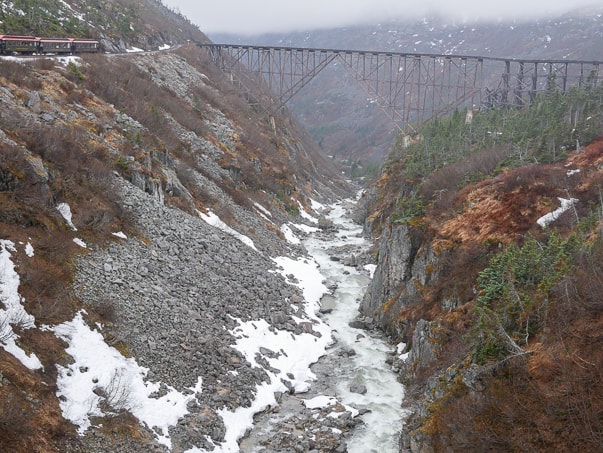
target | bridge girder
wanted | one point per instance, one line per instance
(410, 88)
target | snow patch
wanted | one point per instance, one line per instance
(305, 228)
(320, 402)
(371, 268)
(101, 374)
(305, 214)
(316, 206)
(13, 312)
(307, 277)
(79, 242)
(290, 235)
(215, 221)
(65, 210)
(263, 210)
(566, 203)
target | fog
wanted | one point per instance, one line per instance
(264, 16)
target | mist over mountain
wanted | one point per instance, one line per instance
(337, 111)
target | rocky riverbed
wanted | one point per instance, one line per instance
(356, 396)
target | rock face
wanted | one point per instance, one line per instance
(406, 264)
(424, 349)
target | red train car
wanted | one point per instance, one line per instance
(85, 46)
(26, 45)
(55, 45)
(29, 45)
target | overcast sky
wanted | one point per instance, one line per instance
(262, 16)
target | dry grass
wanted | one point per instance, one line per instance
(64, 163)
(507, 206)
(20, 74)
(30, 417)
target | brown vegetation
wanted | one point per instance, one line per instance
(548, 398)
(30, 417)
(19, 74)
(47, 165)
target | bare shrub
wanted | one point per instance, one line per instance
(16, 417)
(12, 70)
(44, 64)
(98, 171)
(521, 178)
(470, 169)
(105, 310)
(117, 395)
(6, 330)
(119, 390)
(20, 75)
(45, 277)
(77, 96)
(61, 145)
(460, 267)
(11, 321)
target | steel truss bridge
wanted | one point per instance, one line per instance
(409, 87)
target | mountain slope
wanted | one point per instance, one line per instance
(117, 24)
(141, 201)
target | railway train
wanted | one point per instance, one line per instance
(29, 45)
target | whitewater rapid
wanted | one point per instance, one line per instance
(368, 366)
(355, 357)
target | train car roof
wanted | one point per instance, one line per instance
(18, 38)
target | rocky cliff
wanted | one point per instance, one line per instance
(401, 272)
(474, 277)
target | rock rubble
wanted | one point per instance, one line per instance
(178, 288)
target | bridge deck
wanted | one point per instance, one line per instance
(409, 87)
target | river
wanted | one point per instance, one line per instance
(356, 357)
